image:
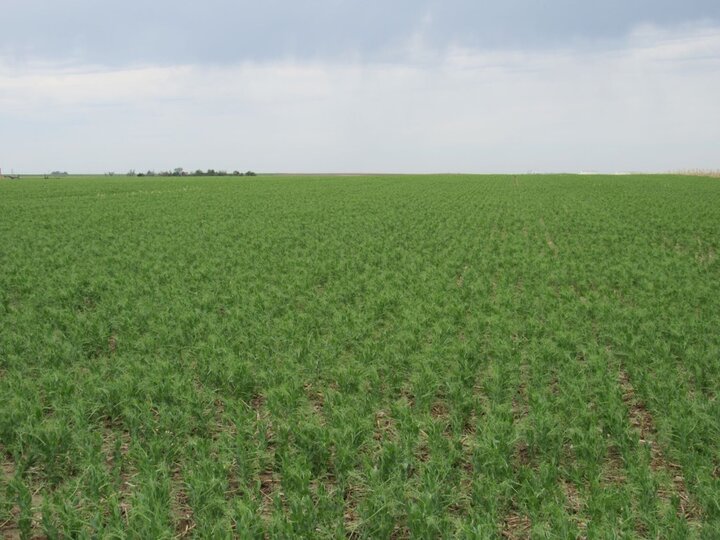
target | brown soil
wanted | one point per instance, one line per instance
(384, 426)
(520, 410)
(516, 526)
(575, 505)
(181, 510)
(10, 528)
(643, 423)
(269, 488)
(613, 468)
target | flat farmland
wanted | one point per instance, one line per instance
(363, 357)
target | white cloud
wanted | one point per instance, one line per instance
(648, 105)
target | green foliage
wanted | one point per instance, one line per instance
(431, 356)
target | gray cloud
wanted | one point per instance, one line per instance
(169, 32)
(329, 85)
(649, 105)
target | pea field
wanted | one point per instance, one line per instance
(445, 356)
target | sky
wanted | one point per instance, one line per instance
(93, 86)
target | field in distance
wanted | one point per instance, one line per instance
(365, 357)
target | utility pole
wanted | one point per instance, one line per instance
(11, 176)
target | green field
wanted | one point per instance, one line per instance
(364, 357)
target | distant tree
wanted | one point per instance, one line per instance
(211, 172)
(250, 173)
(177, 171)
(237, 173)
(140, 174)
(198, 173)
(150, 173)
(131, 172)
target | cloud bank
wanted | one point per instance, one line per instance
(647, 101)
(178, 32)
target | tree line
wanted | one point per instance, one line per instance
(179, 171)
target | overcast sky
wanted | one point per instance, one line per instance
(340, 85)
